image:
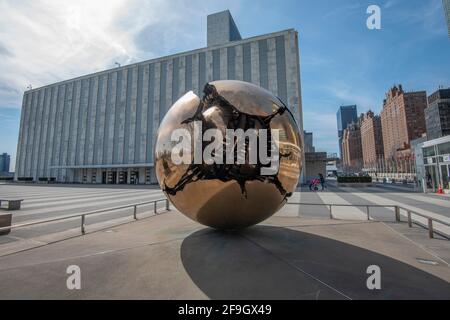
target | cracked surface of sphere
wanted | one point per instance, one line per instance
(224, 195)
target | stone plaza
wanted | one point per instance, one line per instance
(299, 253)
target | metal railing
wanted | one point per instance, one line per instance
(409, 214)
(83, 215)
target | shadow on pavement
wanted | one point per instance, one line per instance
(278, 263)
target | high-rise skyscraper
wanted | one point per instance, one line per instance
(4, 162)
(437, 114)
(308, 143)
(345, 115)
(446, 5)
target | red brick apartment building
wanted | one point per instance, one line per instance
(371, 139)
(352, 157)
(402, 120)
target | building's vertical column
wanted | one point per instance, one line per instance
(140, 117)
(24, 140)
(132, 123)
(209, 66)
(122, 104)
(263, 65)
(118, 123)
(100, 119)
(140, 156)
(83, 157)
(202, 78)
(73, 134)
(169, 80)
(31, 135)
(37, 135)
(239, 63)
(223, 64)
(92, 117)
(247, 62)
(216, 64)
(280, 70)
(44, 136)
(231, 63)
(175, 81)
(19, 156)
(188, 71)
(82, 122)
(57, 141)
(50, 132)
(156, 103)
(272, 67)
(181, 79)
(195, 74)
(162, 90)
(150, 113)
(255, 62)
(66, 130)
(130, 76)
(108, 149)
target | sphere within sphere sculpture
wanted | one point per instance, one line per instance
(224, 195)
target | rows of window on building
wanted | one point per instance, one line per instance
(408, 142)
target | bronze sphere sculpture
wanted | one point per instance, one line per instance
(230, 159)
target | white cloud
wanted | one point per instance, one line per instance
(45, 41)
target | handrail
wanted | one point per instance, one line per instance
(397, 208)
(89, 213)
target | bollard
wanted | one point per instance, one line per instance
(368, 213)
(135, 212)
(430, 228)
(83, 231)
(409, 219)
(397, 213)
(167, 205)
(154, 207)
(331, 212)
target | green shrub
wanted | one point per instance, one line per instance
(354, 179)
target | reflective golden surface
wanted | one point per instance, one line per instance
(220, 195)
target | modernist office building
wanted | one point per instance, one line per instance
(4, 162)
(446, 5)
(101, 128)
(437, 114)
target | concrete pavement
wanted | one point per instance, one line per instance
(170, 257)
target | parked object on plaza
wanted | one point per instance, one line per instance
(224, 195)
(5, 221)
(13, 203)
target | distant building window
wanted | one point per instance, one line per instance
(429, 152)
(444, 148)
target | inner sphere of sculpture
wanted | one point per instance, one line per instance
(228, 196)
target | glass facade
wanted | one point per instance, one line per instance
(437, 165)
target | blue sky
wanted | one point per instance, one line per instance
(342, 62)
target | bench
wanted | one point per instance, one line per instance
(5, 221)
(13, 204)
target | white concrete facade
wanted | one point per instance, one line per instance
(101, 127)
